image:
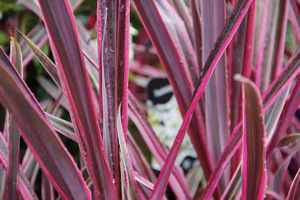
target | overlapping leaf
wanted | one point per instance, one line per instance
(13, 132)
(219, 47)
(38, 133)
(113, 53)
(131, 187)
(254, 139)
(178, 77)
(216, 91)
(294, 192)
(61, 28)
(156, 147)
(25, 188)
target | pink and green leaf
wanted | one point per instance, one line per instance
(132, 187)
(61, 28)
(219, 47)
(234, 185)
(195, 8)
(62, 126)
(156, 147)
(254, 147)
(216, 91)
(288, 112)
(13, 132)
(282, 171)
(47, 189)
(24, 188)
(113, 49)
(228, 152)
(283, 80)
(274, 42)
(294, 192)
(178, 77)
(181, 37)
(38, 133)
(38, 35)
(44, 60)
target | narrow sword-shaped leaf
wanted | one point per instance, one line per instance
(61, 27)
(142, 168)
(194, 177)
(47, 189)
(13, 132)
(62, 126)
(294, 192)
(33, 5)
(216, 91)
(179, 34)
(139, 160)
(128, 169)
(242, 48)
(124, 182)
(38, 133)
(156, 147)
(236, 66)
(288, 112)
(273, 114)
(231, 147)
(274, 94)
(282, 81)
(195, 7)
(182, 85)
(254, 138)
(38, 35)
(52, 90)
(248, 58)
(261, 41)
(234, 185)
(45, 61)
(143, 181)
(280, 37)
(222, 42)
(274, 41)
(25, 188)
(113, 49)
(283, 170)
(30, 166)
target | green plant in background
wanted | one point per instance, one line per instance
(234, 71)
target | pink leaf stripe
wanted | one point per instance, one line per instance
(13, 132)
(24, 187)
(282, 81)
(38, 133)
(195, 8)
(294, 192)
(228, 152)
(222, 42)
(290, 71)
(45, 61)
(156, 147)
(217, 127)
(128, 168)
(254, 147)
(288, 113)
(61, 28)
(178, 76)
(113, 49)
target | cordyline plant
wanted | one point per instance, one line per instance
(234, 69)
